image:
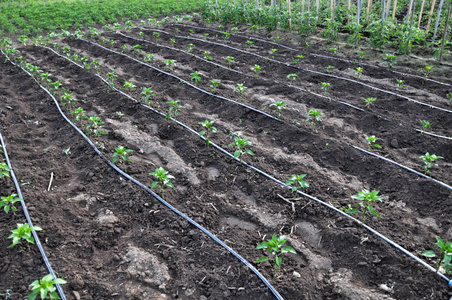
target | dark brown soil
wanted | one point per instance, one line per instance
(110, 239)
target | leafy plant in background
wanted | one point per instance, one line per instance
(23, 231)
(445, 257)
(163, 178)
(147, 94)
(229, 60)
(240, 89)
(240, 145)
(365, 198)
(208, 127)
(7, 202)
(173, 109)
(279, 106)
(371, 142)
(390, 60)
(369, 101)
(292, 77)
(257, 70)
(4, 170)
(45, 287)
(297, 183)
(121, 154)
(214, 84)
(275, 246)
(429, 162)
(195, 76)
(325, 87)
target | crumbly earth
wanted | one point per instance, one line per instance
(110, 239)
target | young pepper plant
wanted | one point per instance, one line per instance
(174, 109)
(7, 202)
(240, 89)
(208, 126)
(275, 246)
(371, 142)
(147, 94)
(365, 198)
(163, 180)
(279, 106)
(23, 231)
(296, 182)
(240, 145)
(429, 162)
(4, 170)
(45, 287)
(122, 155)
(445, 257)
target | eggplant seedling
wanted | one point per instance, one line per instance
(445, 257)
(163, 180)
(195, 77)
(124, 48)
(325, 87)
(296, 182)
(369, 101)
(169, 64)
(111, 78)
(45, 288)
(129, 86)
(240, 89)
(371, 142)
(292, 77)
(121, 154)
(257, 70)
(208, 126)
(274, 51)
(79, 114)
(147, 94)
(429, 162)
(4, 170)
(23, 231)
(174, 109)
(7, 202)
(214, 84)
(136, 49)
(361, 54)
(279, 106)
(275, 246)
(229, 60)
(365, 198)
(240, 145)
(227, 35)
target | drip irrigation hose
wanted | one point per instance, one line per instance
(306, 70)
(27, 216)
(313, 54)
(182, 80)
(172, 208)
(392, 243)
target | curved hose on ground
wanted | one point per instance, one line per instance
(172, 208)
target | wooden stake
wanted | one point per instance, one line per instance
(394, 9)
(369, 5)
(430, 14)
(410, 7)
(50, 183)
(290, 19)
(420, 14)
(445, 35)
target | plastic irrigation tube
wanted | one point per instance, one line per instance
(313, 54)
(392, 243)
(172, 208)
(27, 216)
(308, 70)
(183, 81)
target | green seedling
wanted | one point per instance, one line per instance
(206, 55)
(257, 70)
(79, 114)
(328, 69)
(119, 114)
(249, 44)
(174, 109)
(274, 51)
(229, 60)
(136, 49)
(141, 33)
(66, 151)
(445, 257)
(275, 246)
(425, 124)
(7, 202)
(333, 51)
(4, 170)
(279, 106)
(129, 25)
(240, 145)
(325, 87)
(240, 89)
(220, 27)
(190, 48)
(172, 41)
(297, 183)
(359, 72)
(390, 60)
(7, 295)
(97, 65)
(426, 71)
(400, 83)
(365, 198)
(96, 126)
(227, 35)
(449, 98)
(23, 39)
(147, 94)
(129, 86)
(195, 76)
(292, 77)
(206, 35)
(75, 57)
(234, 29)
(313, 117)
(45, 288)
(149, 57)
(67, 99)
(191, 31)
(121, 154)
(214, 84)
(169, 64)
(155, 35)
(163, 180)
(276, 38)
(254, 28)
(23, 231)
(124, 48)
(298, 59)
(369, 101)
(45, 78)
(371, 142)
(208, 127)
(361, 54)
(111, 78)
(429, 162)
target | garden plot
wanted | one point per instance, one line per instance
(335, 256)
